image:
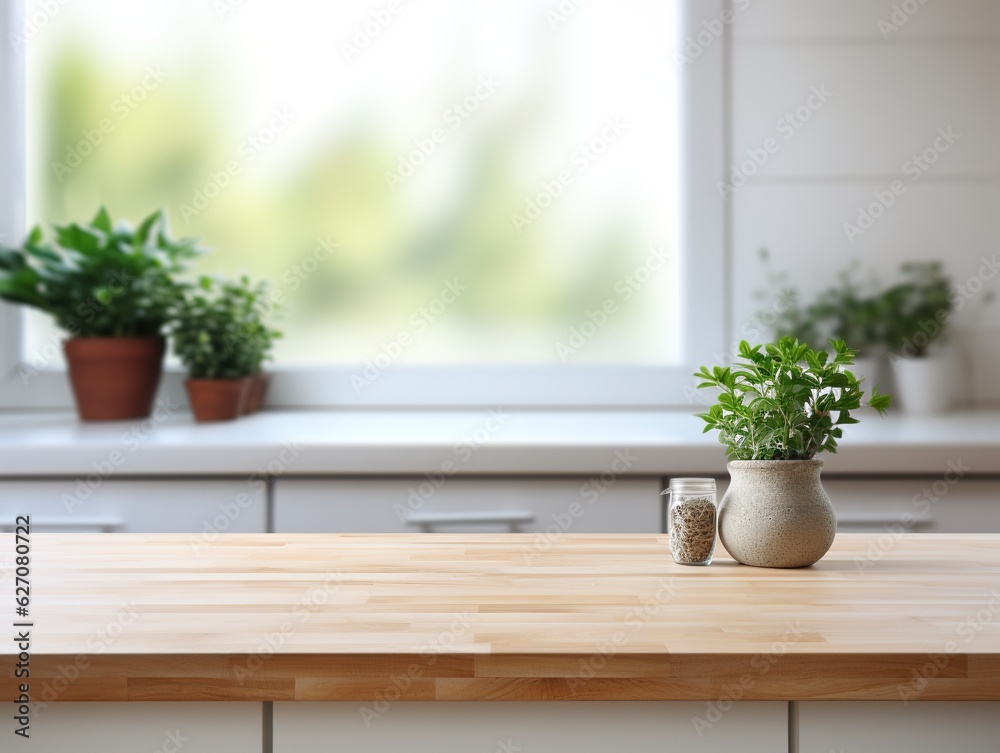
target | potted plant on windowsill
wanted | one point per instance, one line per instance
(112, 290)
(221, 339)
(777, 409)
(258, 338)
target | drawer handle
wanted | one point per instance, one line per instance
(427, 520)
(70, 525)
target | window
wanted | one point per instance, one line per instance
(455, 201)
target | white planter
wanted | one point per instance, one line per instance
(924, 385)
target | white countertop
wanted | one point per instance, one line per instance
(460, 442)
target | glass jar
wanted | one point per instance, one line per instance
(692, 516)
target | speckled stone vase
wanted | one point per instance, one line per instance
(776, 513)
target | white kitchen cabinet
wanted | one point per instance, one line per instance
(464, 505)
(895, 727)
(922, 505)
(145, 728)
(545, 727)
(916, 504)
(132, 506)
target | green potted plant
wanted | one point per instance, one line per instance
(112, 289)
(856, 313)
(785, 314)
(918, 311)
(259, 340)
(221, 339)
(853, 311)
(777, 408)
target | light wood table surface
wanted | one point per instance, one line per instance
(124, 617)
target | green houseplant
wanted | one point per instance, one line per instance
(778, 408)
(853, 310)
(855, 313)
(786, 315)
(918, 312)
(221, 338)
(258, 338)
(112, 289)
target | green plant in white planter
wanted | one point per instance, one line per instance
(857, 314)
(784, 312)
(918, 311)
(778, 408)
(855, 310)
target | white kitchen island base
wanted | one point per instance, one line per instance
(522, 727)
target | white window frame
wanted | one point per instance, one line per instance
(701, 246)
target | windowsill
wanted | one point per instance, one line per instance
(459, 442)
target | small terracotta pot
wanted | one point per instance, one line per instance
(257, 392)
(114, 378)
(216, 399)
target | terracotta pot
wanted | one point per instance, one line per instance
(257, 392)
(114, 378)
(216, 399)
(776, 513)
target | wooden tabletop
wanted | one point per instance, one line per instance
(274, 617)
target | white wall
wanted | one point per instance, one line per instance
(940, 69)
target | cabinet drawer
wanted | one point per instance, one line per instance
(131, 727)
(920, 505)
(135, 506)
(551, 726)
(467, 505)
(895, 727)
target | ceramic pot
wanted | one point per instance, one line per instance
(924, 385)
(217, 399)
(114, 378)
(776, 513)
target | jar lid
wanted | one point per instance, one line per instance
(691, 485)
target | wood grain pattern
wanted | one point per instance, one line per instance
(504, 617)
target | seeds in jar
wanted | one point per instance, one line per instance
(692, 530)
